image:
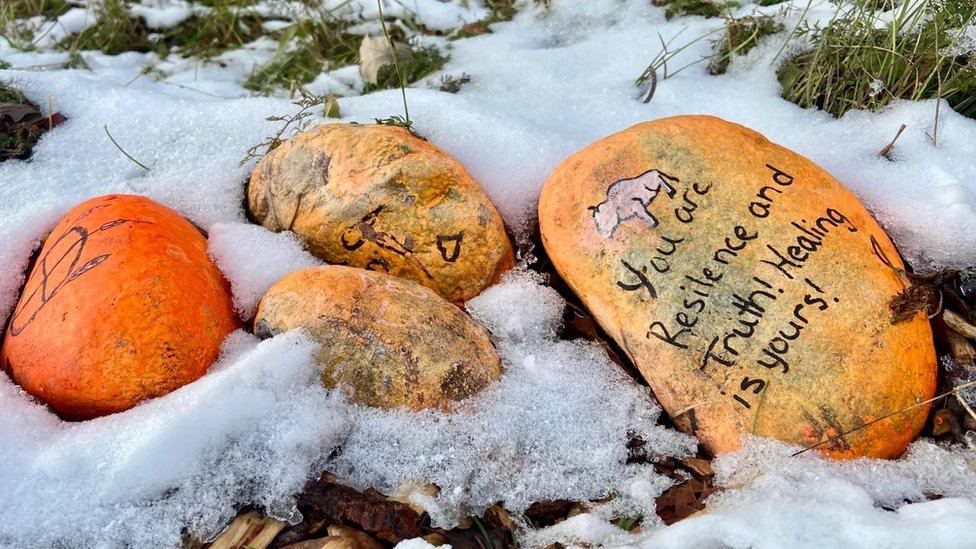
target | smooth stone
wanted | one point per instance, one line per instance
(748, 285)
(394, 342)
(380, 198)
(122, 304)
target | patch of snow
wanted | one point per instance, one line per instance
(532, 436)
(162, 18)
(253, 258)
(419, 543)
(556, 425)
(253, 430)
(778, 501)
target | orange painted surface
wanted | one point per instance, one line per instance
(750, 287)
(380, 198)
(122, 304)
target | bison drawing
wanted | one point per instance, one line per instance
(630, 198)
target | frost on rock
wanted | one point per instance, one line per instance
(555, 426)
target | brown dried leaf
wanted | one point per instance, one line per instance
(547, 513)
(682, 501)
(17, 112)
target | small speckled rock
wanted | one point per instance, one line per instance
(750, 288)
(394, 342)
(380, 198)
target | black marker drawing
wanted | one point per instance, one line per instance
(378, 264)
(363, 231)
(629, 199)
(57, 267)
(454, 241)
(642, 281)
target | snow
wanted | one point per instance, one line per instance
(530, 437)
(259, 425)
(773, 499)
(163, 17)
(254, 429)
(254, 268)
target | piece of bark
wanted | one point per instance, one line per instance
(369, 511)
(249, 530)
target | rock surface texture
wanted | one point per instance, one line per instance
(394, 342)
(380, 198)
(122, 304)
(750, 288)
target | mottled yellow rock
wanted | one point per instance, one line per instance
(394, 342)
(747, 284)
(379, 198)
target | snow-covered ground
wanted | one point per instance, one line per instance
(542, 86)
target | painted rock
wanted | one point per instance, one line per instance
(379, 198)
(394, 342)
(122, 305)
(750, 288)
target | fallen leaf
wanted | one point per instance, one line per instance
(374, 52)
(17, 112)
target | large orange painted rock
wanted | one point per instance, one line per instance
(122, 305)
(750, 288)
(379, 198)
(394, 342)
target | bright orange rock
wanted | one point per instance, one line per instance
(379, 198)
(123, 304)
(394, 342)
(750, 288)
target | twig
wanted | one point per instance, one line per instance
(119, 147)
(955, 391)
(886, 151)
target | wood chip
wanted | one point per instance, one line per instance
(362, 539)
(960, 348)
(329, 542)
(959, 324)
(249, 530)
(700, 467)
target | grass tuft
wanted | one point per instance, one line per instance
(858, 64)
(318, 41)
(741, 35)
(414, 65)
(703, 8)
(451, 84)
